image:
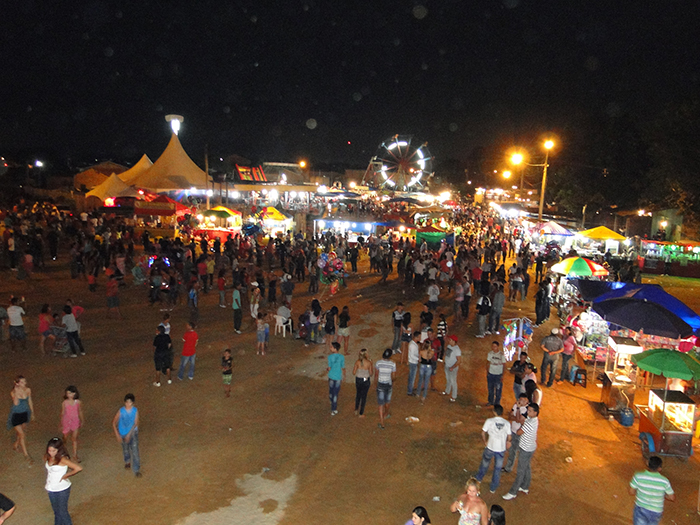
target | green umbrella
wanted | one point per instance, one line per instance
(668, 363)
(221, 214)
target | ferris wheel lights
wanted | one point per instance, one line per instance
(384, 168)
(392, 146)
(420, 153)
(402, 143)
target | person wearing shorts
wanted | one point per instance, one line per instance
(384, 373)
(162, 355)
(17, 333)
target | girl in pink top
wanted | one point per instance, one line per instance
(72, 417)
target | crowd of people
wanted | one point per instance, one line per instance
(264, 273)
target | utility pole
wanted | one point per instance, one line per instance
(206, 175)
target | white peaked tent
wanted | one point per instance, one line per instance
(112, 187)
(137, 169)
(173, 170)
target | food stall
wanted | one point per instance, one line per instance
(666, 423)
(684, 257)
(620, 376)
(274, 221)
(219, 223)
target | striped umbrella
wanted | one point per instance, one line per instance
(579, 267)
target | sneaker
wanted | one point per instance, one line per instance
(156, 384)
(452, 400)
(397, 351)
(526, 491)
(509, 496)
(237, 331)
(190, 378)
(479, 336)
(222, 306)
(443, 393)
(82, 353)
(74, 355)
(492, 491)
(179, 378)
(488, 332)
(170, 381)
(139, 475)
(498, 333)
(334, 413)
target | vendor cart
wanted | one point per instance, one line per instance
(666, 424)
(620, 377)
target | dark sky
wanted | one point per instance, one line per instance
(96, 78)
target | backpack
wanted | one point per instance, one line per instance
(484, 308)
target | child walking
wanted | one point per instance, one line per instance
(72, 417)
(263, 334)
(126, 428)
(227, 371)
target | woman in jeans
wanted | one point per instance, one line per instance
(59, 468)
(362, 371)
(426, 369)
(314, 321)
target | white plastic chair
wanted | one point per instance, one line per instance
(281, 325)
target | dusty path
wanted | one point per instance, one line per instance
(203, 455)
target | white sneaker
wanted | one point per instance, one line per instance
(156, 384)
(509, 496)
(170, 381)
(238, 331)
(190, 378)
(478, 336)
(526, 491)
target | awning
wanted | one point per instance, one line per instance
(280, 188)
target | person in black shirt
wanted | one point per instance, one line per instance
(426, 317)
(162, 355)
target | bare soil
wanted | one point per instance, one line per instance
(272, 453)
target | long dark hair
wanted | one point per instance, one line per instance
(422, 513)
(498, 515)
(61, 453)
(72, 389)
(316, 307)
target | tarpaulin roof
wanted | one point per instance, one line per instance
(174, 170)
(602, 233)
(162, 206)
(112, 187)
(431, 229)
(97, 174)
(272, 213)
(591, 289)
(657, 295)
(552, 228)
(137, 169)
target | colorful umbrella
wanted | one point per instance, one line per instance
(579, 267)
(669, 363)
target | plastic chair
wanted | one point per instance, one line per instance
(281, 325)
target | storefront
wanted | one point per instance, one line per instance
(684, 258)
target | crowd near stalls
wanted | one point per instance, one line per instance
(472, 256)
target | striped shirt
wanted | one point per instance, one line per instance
(528, 439)
(651, 488)
(384, 368)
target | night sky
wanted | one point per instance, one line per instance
(285, 80)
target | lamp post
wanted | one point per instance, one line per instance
(548, 145)
(517, 159)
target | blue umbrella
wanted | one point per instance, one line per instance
(639, 315)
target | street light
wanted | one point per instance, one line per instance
(507, 174)
(302, 164)
(517, 159)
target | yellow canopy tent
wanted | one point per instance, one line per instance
(602, 233)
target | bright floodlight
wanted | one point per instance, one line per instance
(175, 121)
(352, 184)
(322, 189)
(549, 144)
(517, 158)
(302, 164)
(507, 174)
(38, 163)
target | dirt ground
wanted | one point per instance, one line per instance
(272, 454)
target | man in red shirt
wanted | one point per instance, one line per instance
(189, 352)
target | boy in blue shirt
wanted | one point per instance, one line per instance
(126, 428)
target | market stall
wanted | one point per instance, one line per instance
(666, 422)
(159, 216)
(275, 222)
(598, 240)
(684, 258)
(219, 222)
(620, 375)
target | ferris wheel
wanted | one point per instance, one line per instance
(400, 165)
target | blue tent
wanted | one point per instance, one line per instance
(654, 294)
(590, 289)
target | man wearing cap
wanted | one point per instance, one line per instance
(453, 357)
(552, 347)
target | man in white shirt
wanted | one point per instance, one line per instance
(527, 447)
(433, 295)
(14, 315)
(496, 436)
(517, 415)
(494, 375)
(413, 358)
